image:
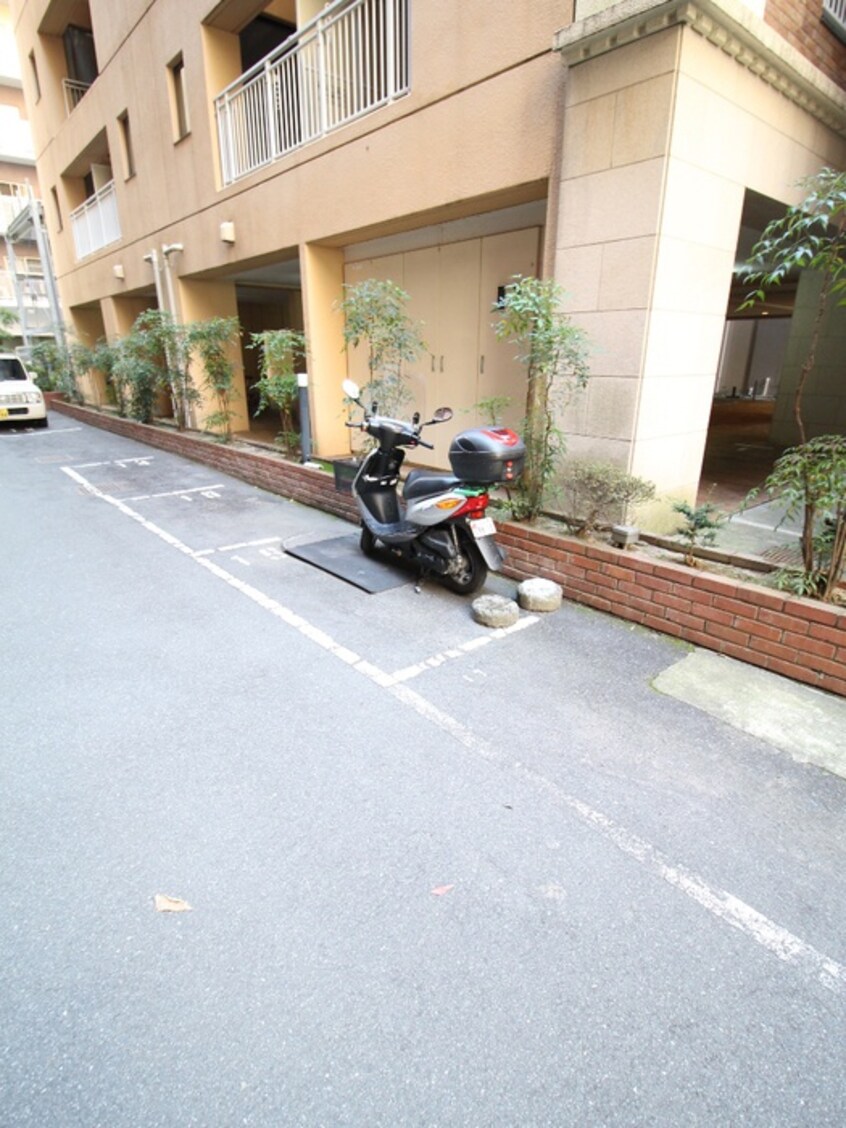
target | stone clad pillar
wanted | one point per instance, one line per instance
(672, 112)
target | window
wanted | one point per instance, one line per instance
(126, 145)
(80, 56)
(54, 195)
(178, 102)
(33, 66)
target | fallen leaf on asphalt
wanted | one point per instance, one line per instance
(165, 904)
(439, 890)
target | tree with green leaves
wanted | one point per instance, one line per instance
(601, 492)
(9, 328)
(811, 479)
(281, 353)
(699, 526)
(375, 314)
(211, 343)
(59, 366)
(554, 353)
(161, 343)
(811, 235)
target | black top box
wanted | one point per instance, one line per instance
(487, 455)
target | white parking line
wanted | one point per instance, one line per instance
(206, 491)
(42, 432)
(122, 462)
(721, 905)
(460, 651)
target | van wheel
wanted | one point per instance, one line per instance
(468, 570)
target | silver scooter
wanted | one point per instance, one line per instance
(436, 521)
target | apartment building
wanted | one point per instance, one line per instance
(26, 289)
(249, 157)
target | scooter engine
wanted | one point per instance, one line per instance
(434, 550)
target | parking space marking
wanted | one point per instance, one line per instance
(409, 672)
(42, 432)
(720, 904)
(247, 544)
(268, 547)
(211, 492)
(122, 462)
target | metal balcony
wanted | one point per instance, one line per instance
(95, 223)
(348, 62)
(74, 93)
(834, 16)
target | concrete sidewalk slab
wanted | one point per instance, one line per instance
(804, 722)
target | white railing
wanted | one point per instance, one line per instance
(10, 206)
(74, 93)
(349, 61)
(834, 15)
(95, 223)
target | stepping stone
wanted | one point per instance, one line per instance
(539, 595)
(495, 611)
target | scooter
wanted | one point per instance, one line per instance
(438, 522)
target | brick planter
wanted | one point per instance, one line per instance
(798, 638)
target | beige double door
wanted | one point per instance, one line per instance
(453, 289)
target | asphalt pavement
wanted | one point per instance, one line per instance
(431, 874)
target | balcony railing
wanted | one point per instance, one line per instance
(834, 15)
(10, 206)
(95, 223)
(349, 61)
(74, 93)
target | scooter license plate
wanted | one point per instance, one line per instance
(482, 527)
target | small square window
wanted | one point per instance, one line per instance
(33, 67)
(54, 195)
(178, 100)
(126, 145)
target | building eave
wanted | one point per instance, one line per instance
(729, 25)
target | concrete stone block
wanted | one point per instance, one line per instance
(495, 611)
(539, 595)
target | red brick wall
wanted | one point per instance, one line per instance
(800, 22)
(799, 638)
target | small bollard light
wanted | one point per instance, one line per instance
(305, 419)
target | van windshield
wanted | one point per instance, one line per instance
(11, 368)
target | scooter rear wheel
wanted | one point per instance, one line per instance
(471, 570)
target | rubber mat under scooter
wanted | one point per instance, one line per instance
(342, 557)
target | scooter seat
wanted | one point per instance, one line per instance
(424, 483)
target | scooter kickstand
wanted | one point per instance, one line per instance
(418, 584)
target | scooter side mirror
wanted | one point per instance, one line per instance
(442, 414)
(351, 389)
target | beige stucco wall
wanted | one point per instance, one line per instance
(483, 88)
(661, 139)
(645, 159)
(477, 133)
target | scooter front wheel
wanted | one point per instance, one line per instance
(367, 542)
(469, 570)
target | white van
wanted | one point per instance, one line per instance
(21, 400)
